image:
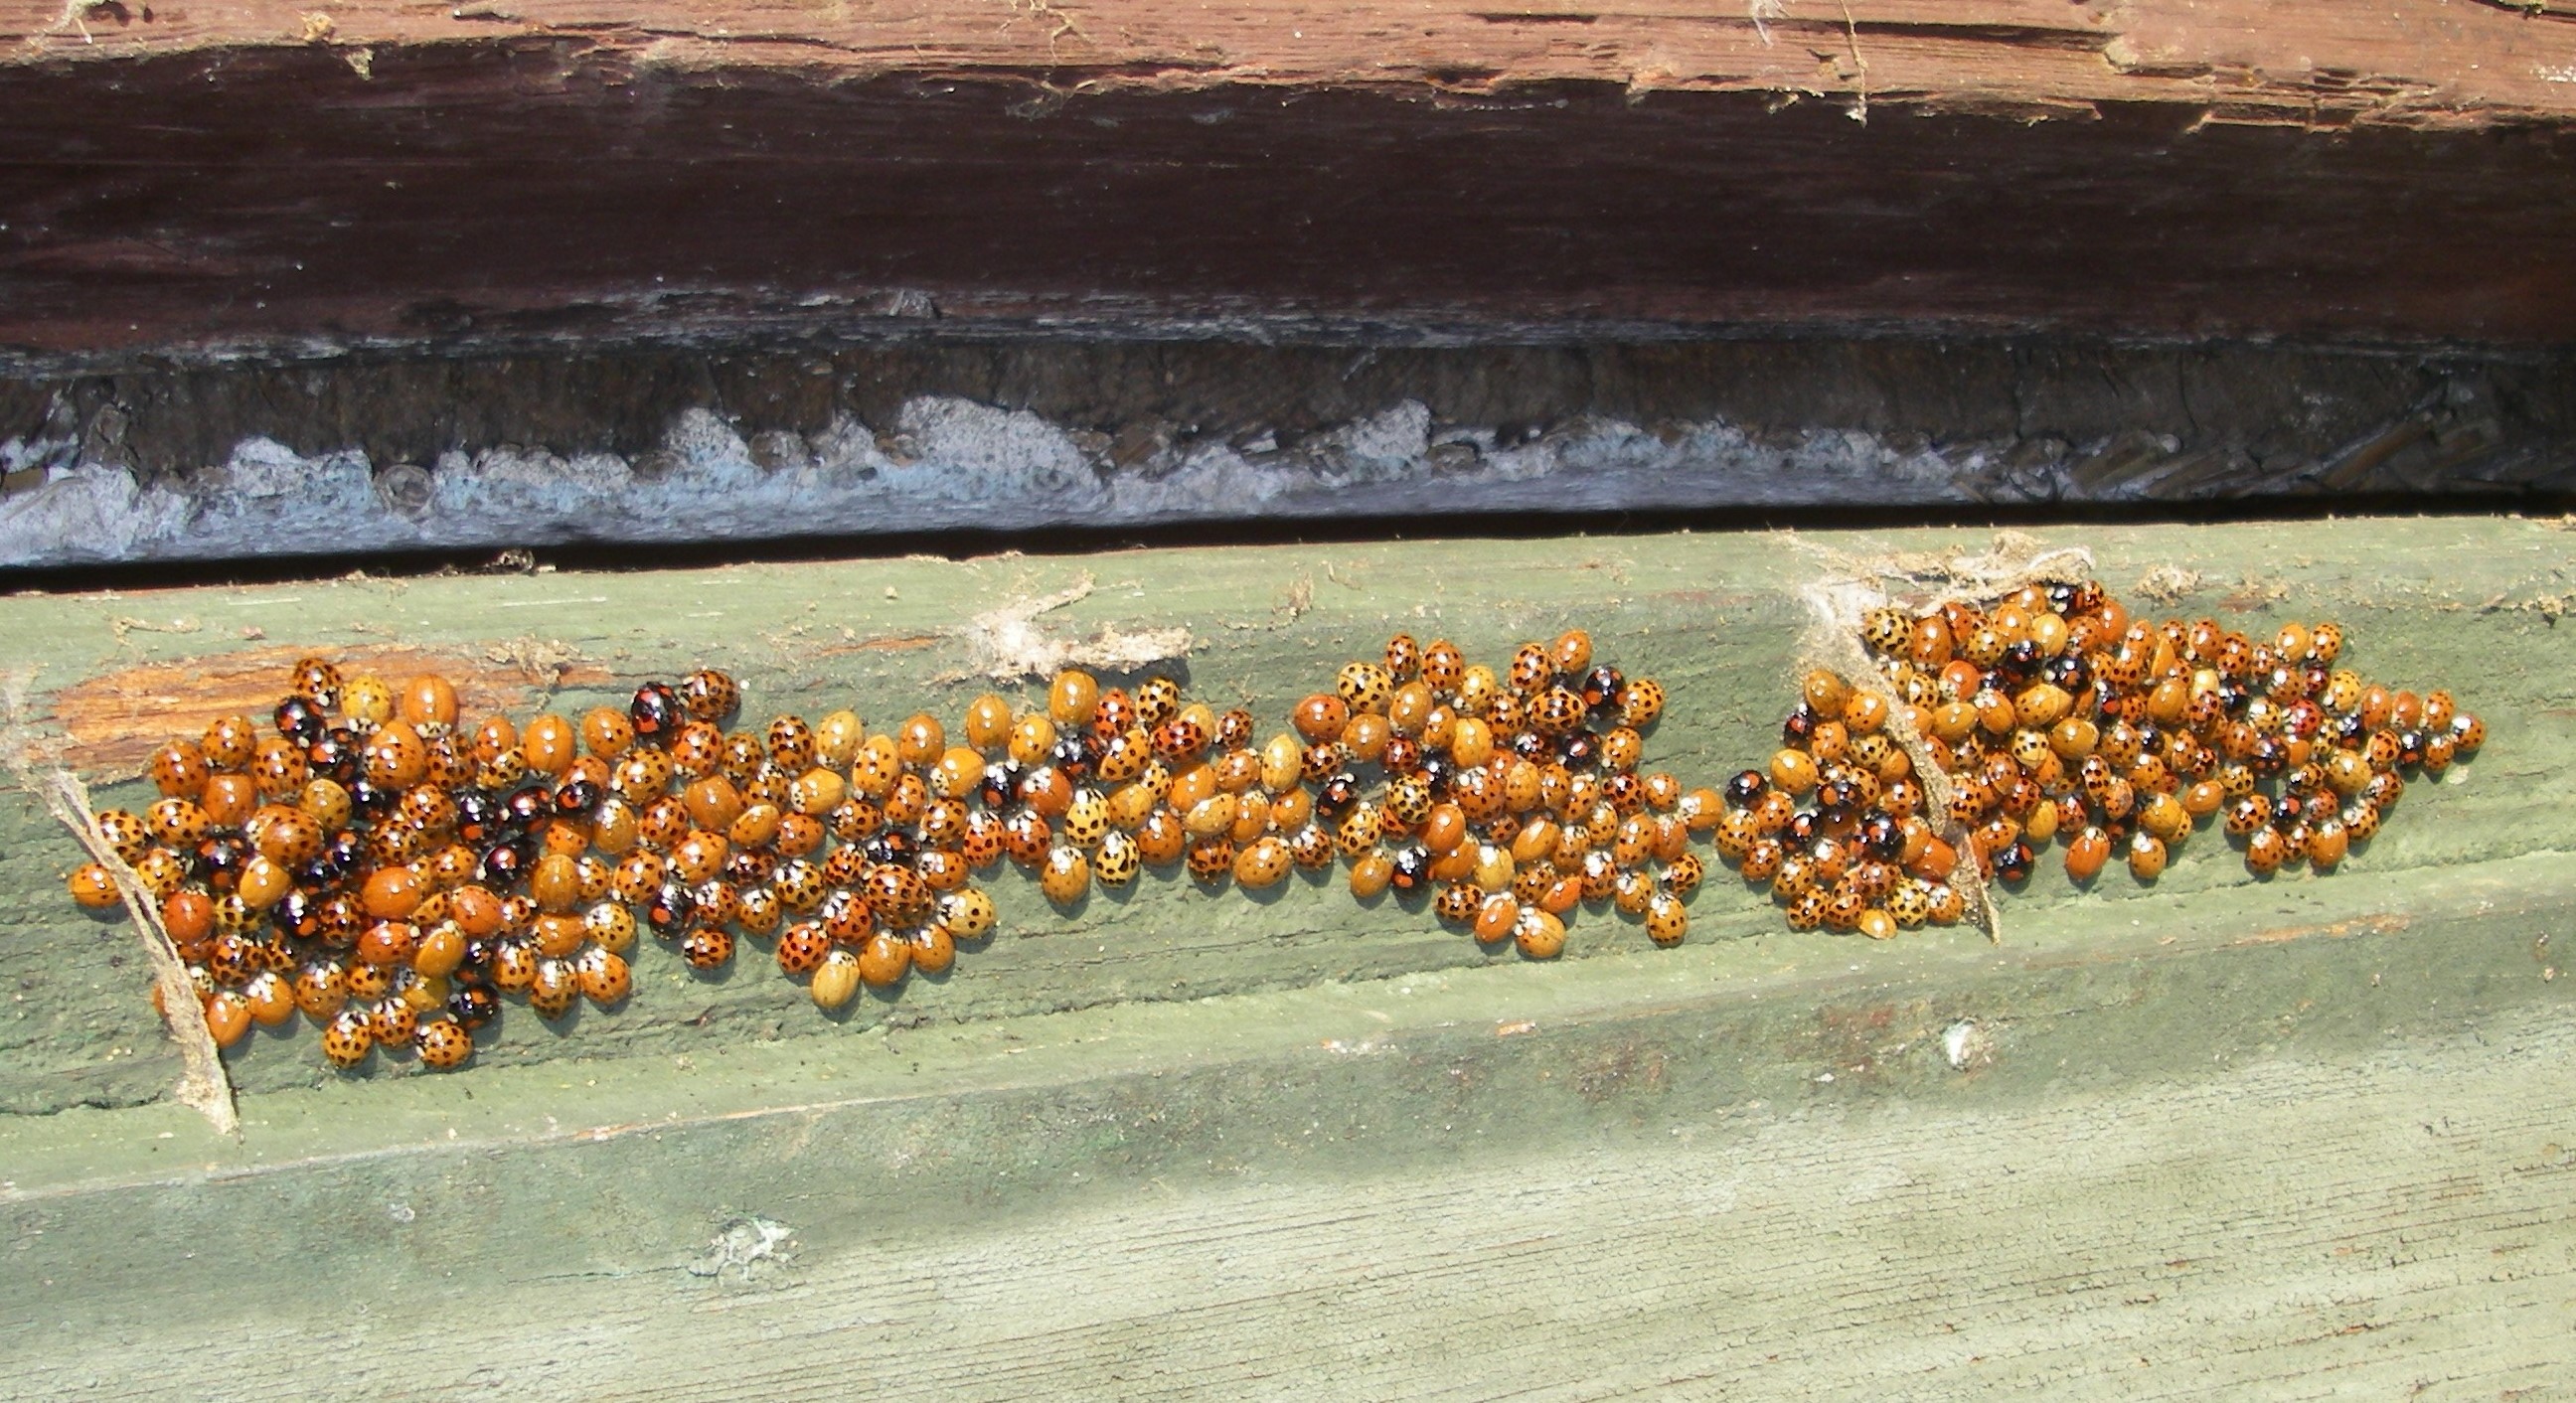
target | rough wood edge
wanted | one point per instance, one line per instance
(1010, 645)
(204, 1085)
(2422, 64)
(111, 720)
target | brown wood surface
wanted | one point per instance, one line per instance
(197, 179)
(2304, 62)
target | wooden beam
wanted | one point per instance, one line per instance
(270, 178)
(1718, 618)
(2208, 1135)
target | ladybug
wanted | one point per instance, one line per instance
(1641, 702)
(1234, 730)
(984, 840)
(846, 917)
(749, 867)
(1881, 837)
(524, 808)
(1412, 868)
(1157, 701)
(1443, 666)
(967, 913)
(575, 798)
(1409, 799)
(93, 888)
(1667, 920)
(1312, 847)
(124, 831)
(1557, 711)
(443, 1045)
(1365, 688)
(1073, 756)
(1601, 687)
(1066, 875)
(337, 754)
(791, 744)
(835, 981)
(1538, 934)
(1580, 750)
(604, 976)
(1884, 631)
(348, 1038)
(1401, 755)
(799, 884)
(707, 948)
(315, 680)
(1086, 818)
(656, 713)
(890, 845)
(1180, 738)
(1114, 714)
(1842, 909)
(670, 910)
(1118, 859)
(229, 742)
(802, 948)
(897, 892)
(321, 989)
(1211, 860)
(556, 986)
(297, 915)
(1799, 726)
(1458, 902)
(219, 860)
(299, 720)
(1026, 836)
(1263, 863)
(179, 769)
(503, 863)
(884, 960)
(709, 695)
(700, 750)
(1530, 668)
(178, 823)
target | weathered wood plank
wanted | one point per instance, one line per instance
(2301, 1166)
(727, 443)
(2462, 602)
(268, 177)
(2307, 63)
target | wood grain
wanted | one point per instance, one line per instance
(2295, 1225)
(115, 718)
(2310, 62)
(1717, 618)
(270, 178)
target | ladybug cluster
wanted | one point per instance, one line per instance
(2057, 715)
(1507, 799)
(369, 863)
(1094, 786)
(378, 867)
(1837, 824)
(2054, 716)
(799, 832)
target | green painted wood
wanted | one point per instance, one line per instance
(2462, 602)
(2290, 1138)
(2286, 1160)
